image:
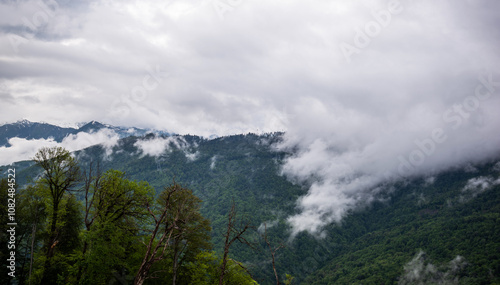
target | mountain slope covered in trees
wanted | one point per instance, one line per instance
(444, 228)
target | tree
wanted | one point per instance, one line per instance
(115, 208)
(273, 253)
(61, 174)
(32, 212)
(234, 233)
(180, 231)
(192, 233)
(161, 234)
(91, 184)
(63, 260)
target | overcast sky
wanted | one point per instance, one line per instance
(368, 90)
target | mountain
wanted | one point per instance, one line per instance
(30, 130)
(94, 126)
(443, 229)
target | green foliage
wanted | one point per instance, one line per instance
(189, 236)
(58, 269)
(237, 274)
(117, 213)
(288, 279)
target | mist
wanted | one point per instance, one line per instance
(346, 153)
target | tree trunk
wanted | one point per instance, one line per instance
(143, 272)
(174, 269)
(53, 235)
(33, 233)
(50, 245)
(224, 261)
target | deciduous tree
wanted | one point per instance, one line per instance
(60, 174)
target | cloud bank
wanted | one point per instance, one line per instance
(345, 153)
(23, 149)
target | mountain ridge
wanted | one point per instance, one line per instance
(26, 129)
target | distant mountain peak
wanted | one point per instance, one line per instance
(92, 126)
(24, 122)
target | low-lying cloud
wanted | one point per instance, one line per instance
(476, 186)
(421, 271)
(24, 149)
(345, 153)
(157, 146)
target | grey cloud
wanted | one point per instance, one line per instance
(6, 97)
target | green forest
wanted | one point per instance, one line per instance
(130, 218)
(88, 227)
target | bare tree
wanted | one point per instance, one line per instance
(273, 253)
(235, 232)
(160, 235)
(91, 180)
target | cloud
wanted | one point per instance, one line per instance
(345, 153)
(107, 138)
(476, 186)
(497, 166)
(158, 146)
(213, 160)
(420, 271)
(153, 147)
(263, 227)
(23, 149)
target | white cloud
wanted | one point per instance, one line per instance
(420, 271)
(345, 152)
(23, 149)
(105, 137)
(213, 160)
(158, 146)
(192, 156)
(476, 186)
(153, 147)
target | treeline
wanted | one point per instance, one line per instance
(85, 226)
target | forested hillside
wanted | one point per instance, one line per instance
(444, 228)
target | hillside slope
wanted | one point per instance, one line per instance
(450, 220)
